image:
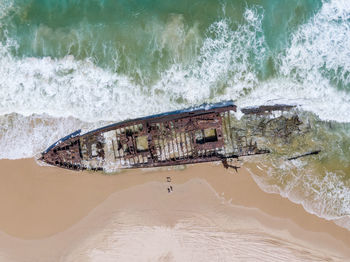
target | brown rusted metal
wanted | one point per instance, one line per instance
(266, 109)
(187, 136)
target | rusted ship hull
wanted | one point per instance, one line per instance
(188, 136)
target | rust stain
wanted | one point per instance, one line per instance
(188, 136)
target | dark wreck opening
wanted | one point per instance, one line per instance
(206, 136)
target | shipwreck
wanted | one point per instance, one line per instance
(199, 134)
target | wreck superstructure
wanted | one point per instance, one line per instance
(200, 134)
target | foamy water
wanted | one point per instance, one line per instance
(66, 87)
(56, 78)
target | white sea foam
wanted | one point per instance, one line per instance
(323, 100)
(25, 136)
(222, 69)
(5, 7)
(43, 99)
(320, 46)
(67, 87)
(63, 88)
(327, 196)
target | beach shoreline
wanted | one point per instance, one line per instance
(47, 207)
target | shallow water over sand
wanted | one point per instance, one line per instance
(71, 65)
(212, 213)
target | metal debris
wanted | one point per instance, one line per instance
(316, 152)
(188, 136)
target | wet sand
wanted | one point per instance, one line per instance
(50, 214)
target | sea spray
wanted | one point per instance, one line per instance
(319, 182)
(69, 65)
(26, 136)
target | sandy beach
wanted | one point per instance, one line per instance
(50, 214)
(102, 85)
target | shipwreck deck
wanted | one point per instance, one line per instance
(193, 135)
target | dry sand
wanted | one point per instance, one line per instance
(50, 214)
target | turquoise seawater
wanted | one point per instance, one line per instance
(143, 39)
(66, 65)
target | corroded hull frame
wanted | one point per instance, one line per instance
(193, 135)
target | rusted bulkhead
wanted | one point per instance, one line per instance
(193, 135)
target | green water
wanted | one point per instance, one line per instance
(71, 64)
(141, 39)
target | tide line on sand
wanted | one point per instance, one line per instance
(54, 214)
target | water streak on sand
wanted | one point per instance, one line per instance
(69, 65)
(201, 232)
(98, 218)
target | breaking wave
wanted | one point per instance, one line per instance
(325, 194)
(227, 67)
(317, 67)
(44, 98)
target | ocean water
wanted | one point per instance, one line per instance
(66, 65)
